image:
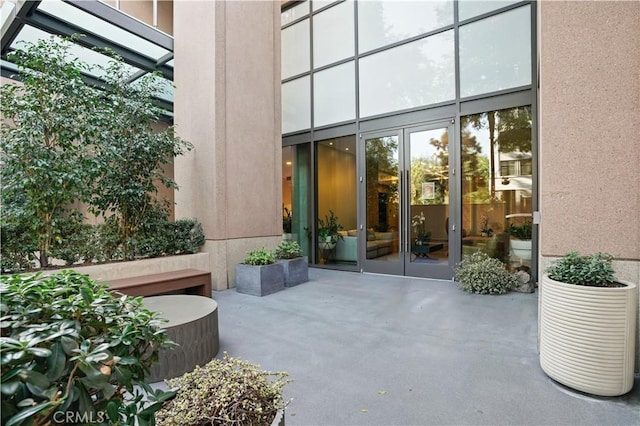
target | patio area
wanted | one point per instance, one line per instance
(370, 349)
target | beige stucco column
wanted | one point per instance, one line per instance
(589, 131)
(227, 104)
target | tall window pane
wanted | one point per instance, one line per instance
(333, 34)
(497, 185)
(495, 53)
(470, 8)
(297, 194)
(296, 105)
(385, 22)
(336, 192)
(416, 74)
(295, 49)
(334, 95)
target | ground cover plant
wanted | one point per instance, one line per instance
(65, 143)
(229, 391)
(478, 273)
(72, 352)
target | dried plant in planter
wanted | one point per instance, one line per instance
(223, 392)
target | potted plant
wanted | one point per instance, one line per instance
(287, 224)
(521, 239)
(328, 234)
(259, 274)
(588, 325)
(421, 235)
(295, 265)
(226, 391)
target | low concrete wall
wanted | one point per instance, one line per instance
(117, 270)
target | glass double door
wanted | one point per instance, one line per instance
(406, 225)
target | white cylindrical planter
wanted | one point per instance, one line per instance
(588, 336)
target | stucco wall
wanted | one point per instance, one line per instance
(227, 103)
(590, 127)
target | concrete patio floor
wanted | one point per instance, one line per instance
(381, 350)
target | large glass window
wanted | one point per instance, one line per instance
(336, 192)
(496, 188)
(333, 34)
(334, 97)
(295, 49)
(412, 75)
(296, 195)
(384, 22)
(296, 105)
(495, 53)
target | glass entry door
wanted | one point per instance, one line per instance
(406, 229)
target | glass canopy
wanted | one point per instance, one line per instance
(143, 48)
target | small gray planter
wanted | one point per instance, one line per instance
(259, 280)
(296, 271)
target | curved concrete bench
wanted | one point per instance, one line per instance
(193, 325)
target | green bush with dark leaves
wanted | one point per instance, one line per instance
(70, 347)
(478, 273)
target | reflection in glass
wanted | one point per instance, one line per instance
(296, 105)
(497, 185)
(382, 198)
(336, 192)
(384, 22)
(470, 8)
(294, 13)
(333, 34)
(495, 53)
(334, 95)
(296, 194)
(412, 75)
(294, 49)
(429, 196)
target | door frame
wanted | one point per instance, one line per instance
(404, 266)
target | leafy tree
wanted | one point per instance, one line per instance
(45, 142)
(130, 154)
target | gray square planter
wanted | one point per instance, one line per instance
(296, 271)
(259, 280)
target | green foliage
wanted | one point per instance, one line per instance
(225, 392)
(69, 345)
(329, 227)
(260, 256)
(287, 221)
(159, 237)
(522, 232)
(46, 147)
(590, 270)
(481, 274)
(65, 141)
(288, 250)
(131, 155)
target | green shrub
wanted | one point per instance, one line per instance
(225, 392)
(590, 270)
(17, 249)
(75, 240)
(481, 274)
(260, 256)
(70, 346)
(188, 236)
(521, 232)
(288, 250)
